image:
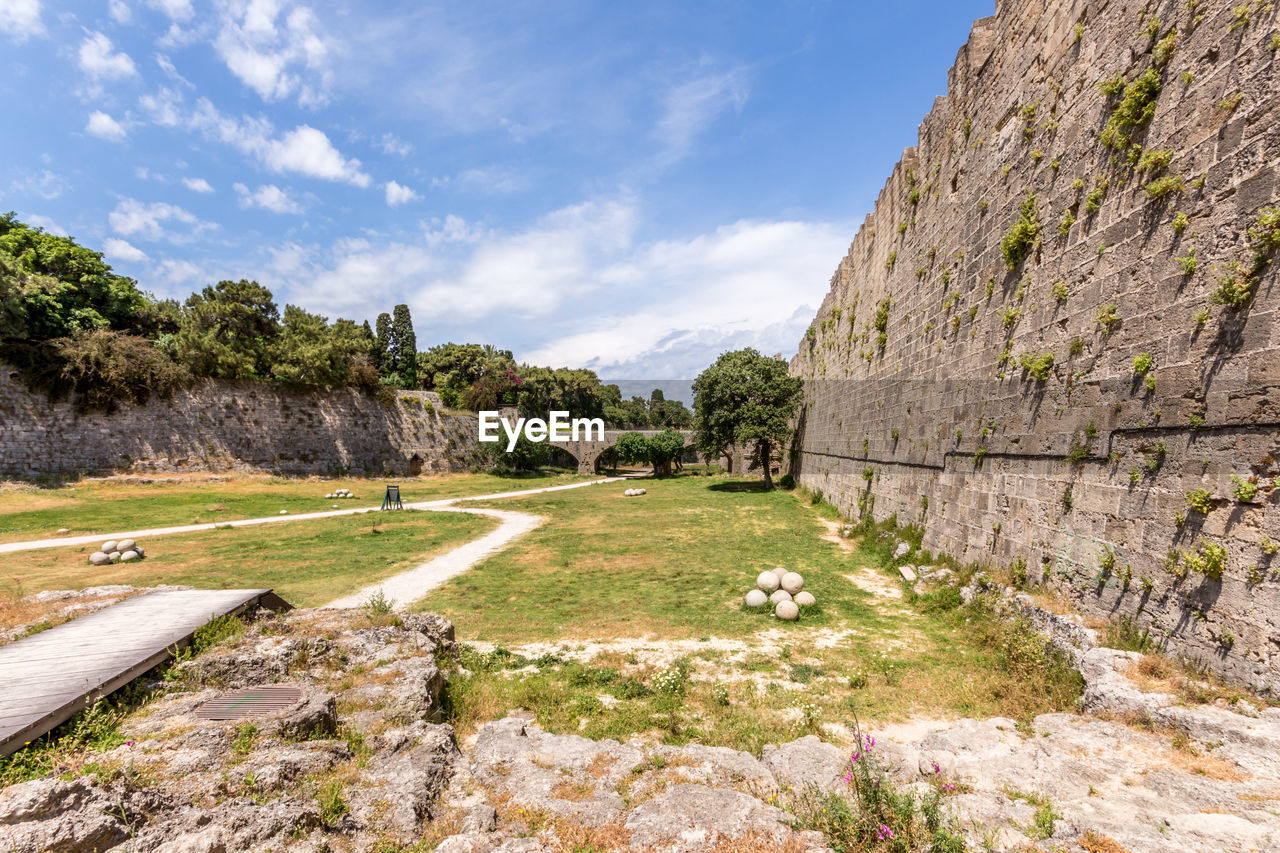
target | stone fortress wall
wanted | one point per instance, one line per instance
(219, 425)
(918, 400)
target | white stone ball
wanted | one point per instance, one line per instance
(126, 545)
(335, 506)
(128, 556)
(328, 497)
(767, 581)
(805, 599)
(284, 512)
(792, 582)
(780, 595)
(787, 610)
(115, 556)
(644, 491)
(779, 572)
(756, 598)
(100, 559)
(138, 548)
(109, 546)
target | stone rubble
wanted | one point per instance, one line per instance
(1135, 767)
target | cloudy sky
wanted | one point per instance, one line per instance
(630, 187)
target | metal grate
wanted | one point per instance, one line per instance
(250, 702)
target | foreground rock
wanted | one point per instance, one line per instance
(363, 762)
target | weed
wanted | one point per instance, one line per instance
(1142, 363)
(1024, 235)
(1200, 500)
(1179, 223)
(1134, 110)
(1038, 365)
(1243, 490)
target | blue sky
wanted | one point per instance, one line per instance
(630, 187)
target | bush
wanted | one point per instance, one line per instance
(1023, 236)
(106, 368)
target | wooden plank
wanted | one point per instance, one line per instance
(48, 677)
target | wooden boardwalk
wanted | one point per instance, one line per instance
(48, 677)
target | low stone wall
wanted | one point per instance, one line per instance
(219, 425)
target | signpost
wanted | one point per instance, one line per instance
(392, 498)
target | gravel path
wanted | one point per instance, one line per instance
(97, 538)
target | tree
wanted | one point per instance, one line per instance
(632, 447)
(664, 448)
(227, 330)
(382, 344)
(748, 400)
(310, 351)
(402, 350)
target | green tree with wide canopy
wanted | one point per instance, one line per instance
(747, 400)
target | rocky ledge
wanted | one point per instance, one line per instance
(363, 762)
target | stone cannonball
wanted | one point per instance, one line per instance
(780, 595)
(109, 546)
(787, 610)
(126, 545)
(756, 598)
(100, 559)
(779, 572)
(128, 556)
(115, 556)
(138, 548)
(792, 582)
(767, 581)
(805, 599)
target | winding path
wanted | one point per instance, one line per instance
(400, 589)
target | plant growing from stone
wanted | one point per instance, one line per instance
(1200, 500)
(1024, 235)
(1243, 490)
(1268, 546)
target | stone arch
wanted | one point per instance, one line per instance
(415, 465)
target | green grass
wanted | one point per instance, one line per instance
(109, 506)
(308, 563)
(671, 568)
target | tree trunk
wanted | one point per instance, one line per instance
(765, 464)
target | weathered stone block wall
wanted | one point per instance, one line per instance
(224, 425)
(938, 423)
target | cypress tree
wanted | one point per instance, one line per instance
(403, 348)
(382, 345)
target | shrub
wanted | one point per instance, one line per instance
(1161, 187)
(1200, 500)
(1142, 363)
(1229, 103)
(1068, 219)
(1179, 222)
(1154, 160)
(1060, 290)
(1268, 546)
(1235, 287)
(1188, 262)
(107, 368)
(1243, 490)
(1108, 318)
(1133, 111)
(893, 257)
(1039, 365)
(1009, 316)
(1024, 235)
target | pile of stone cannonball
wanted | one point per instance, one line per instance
(784, 590)
(123, 551)
(340, 493)
(632, 493)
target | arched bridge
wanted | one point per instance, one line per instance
(588, 452)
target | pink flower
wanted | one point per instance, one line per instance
(936, 768)
(883, 833)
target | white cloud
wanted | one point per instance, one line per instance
(133, 218)
(46, 223)
(48, 185)
(640, 309)
(101, 61)
(303, 150)
(490, 181)
(21, 19)
(398, 194)
(177, 10)
(691, 107)
(392, 144)
(122, 250)
(104, 126)
(308, 151)
(197, 185)
(268, 197)
(120, 11)
(277, 56)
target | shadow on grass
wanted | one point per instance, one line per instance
(738, 486)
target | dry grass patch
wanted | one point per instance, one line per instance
(1094, 842)
(573, 791)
